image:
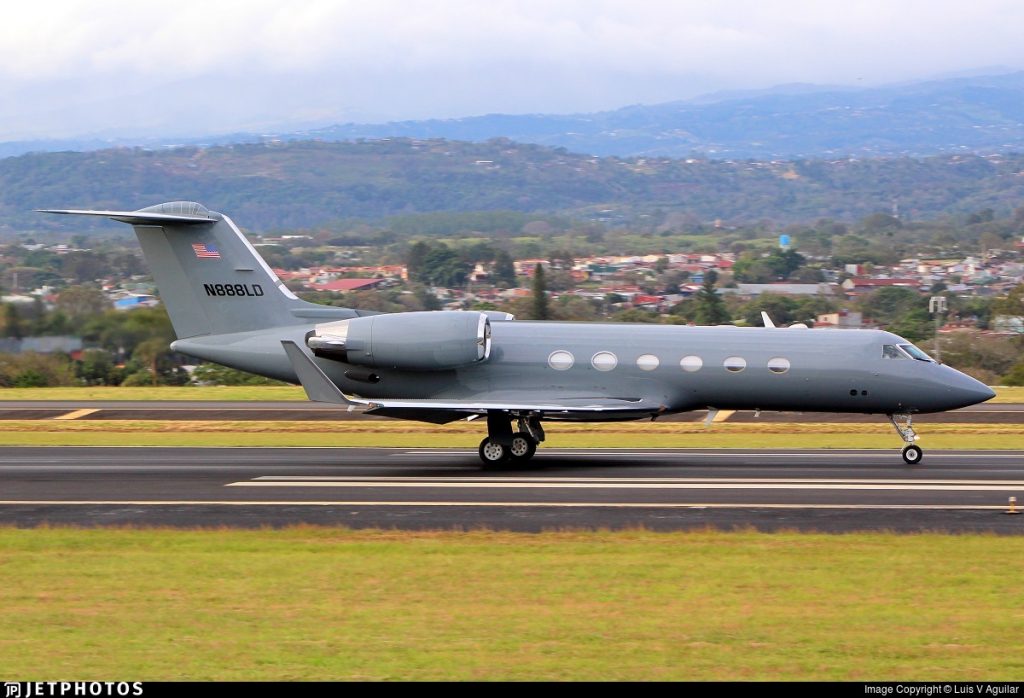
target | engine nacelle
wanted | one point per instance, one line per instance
(427, 341)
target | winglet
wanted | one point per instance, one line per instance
(767, 320)
(315, 382)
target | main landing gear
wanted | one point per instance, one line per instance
(502, 445)
(903, 424)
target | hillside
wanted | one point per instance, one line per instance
(317, 184)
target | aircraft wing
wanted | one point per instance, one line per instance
(320, 388)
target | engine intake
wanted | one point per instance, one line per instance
(426, 341)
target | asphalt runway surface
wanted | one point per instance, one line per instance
(309, 411)
(813, 490)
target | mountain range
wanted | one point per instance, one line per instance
(977, 114)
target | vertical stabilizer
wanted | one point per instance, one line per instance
(210, 277)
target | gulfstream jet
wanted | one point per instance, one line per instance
(229, 307)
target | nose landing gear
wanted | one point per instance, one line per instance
(903, 424)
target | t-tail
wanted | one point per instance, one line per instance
(211, 279)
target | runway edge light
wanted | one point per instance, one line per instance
(1013, 506)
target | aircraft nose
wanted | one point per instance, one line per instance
(964, 390)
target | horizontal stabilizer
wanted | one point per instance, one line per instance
(137, 217)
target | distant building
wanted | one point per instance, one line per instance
(345, 285)
(785, 289)
(59, 344)
(136, 300)
(862, 284)
(843, 320)
(1008, 323)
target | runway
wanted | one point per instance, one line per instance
(310, 411)
(823, 490)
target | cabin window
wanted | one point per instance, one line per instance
(778, 365)
(647, 362)
(691, 364)
(561, 360)
(604, 361)
(889, 351)
(735, 364)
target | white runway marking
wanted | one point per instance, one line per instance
(527, 481)
(536, 505)
(487, 485)
(726, 453)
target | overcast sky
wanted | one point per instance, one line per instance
(193, 67)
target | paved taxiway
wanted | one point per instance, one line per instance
(407, 488)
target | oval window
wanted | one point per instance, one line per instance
(735, 364)
(561, 360)
(691, 364)
(647, 362)
(778, 365)
(604, 361)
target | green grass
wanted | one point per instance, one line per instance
(249, 392)
(219, 392)
(84, 432)
(321, 603)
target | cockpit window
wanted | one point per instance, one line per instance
(915, 353)
(889, 351)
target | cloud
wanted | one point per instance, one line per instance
(407, 59)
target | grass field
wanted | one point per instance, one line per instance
(311, 603)
(385, 433)
(1003, 394)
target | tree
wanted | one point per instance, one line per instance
(215, 374)
(97, 368)
(444, 267)
(891, 303)
(1013, 304)
(1016, 375)
(710, 307)
(82, 302)
(12, 322)
(781, 309)
(540, 309)
(504, 270)
(415, 260)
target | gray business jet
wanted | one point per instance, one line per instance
(229, 307)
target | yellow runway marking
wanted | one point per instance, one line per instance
(723, 415)
(77, 414)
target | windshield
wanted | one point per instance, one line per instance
(904, 351)
(915, 353)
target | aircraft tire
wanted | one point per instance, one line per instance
(493, 454)
(523, 447)
(912, 454)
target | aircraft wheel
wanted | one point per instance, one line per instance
(523, 447)
(912, 454)
(493, 454)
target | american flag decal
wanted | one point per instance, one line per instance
(205, 251)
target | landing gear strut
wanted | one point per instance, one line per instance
(502, 445)
(903, 424)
